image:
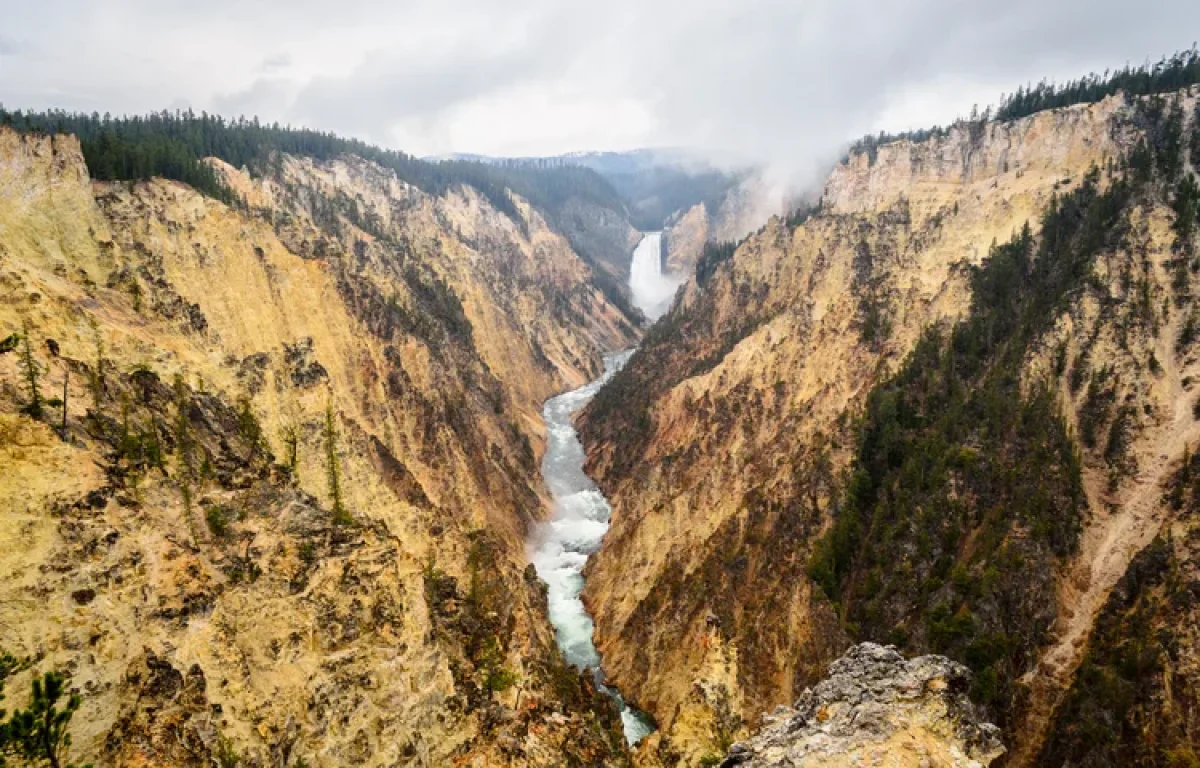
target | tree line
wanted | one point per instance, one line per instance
(1169, 74)
(173, 145)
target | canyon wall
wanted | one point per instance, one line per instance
(275, 501)
(742, 209)
(760, 523)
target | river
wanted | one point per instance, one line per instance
(562, 545)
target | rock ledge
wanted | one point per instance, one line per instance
(877, 709)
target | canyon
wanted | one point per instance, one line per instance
(767, 510)
(338, 457)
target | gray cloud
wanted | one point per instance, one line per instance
(778, 80)
(276, 63)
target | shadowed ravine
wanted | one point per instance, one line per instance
(562, 544)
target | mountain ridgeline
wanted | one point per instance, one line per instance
(175, 145)
(945, 409)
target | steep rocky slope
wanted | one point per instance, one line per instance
(743, 208)
(604, 236)
(785, 476)
(875, 708)
(173, 539)
(1136, 697)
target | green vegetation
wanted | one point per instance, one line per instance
(965, 480)
(37, 735)
(248, 427)
(1170, 74)
(291, 448)
(874, 323)
(1130, 701)
(307, 552)
(226, 754)
(1183, 492)
(712, 256)
(485, 617)
(966, 475)
(174, 145)
(870, 144)
(98, 384)
(31, 372)
(186, 469)
(218, 518)
(333, 468)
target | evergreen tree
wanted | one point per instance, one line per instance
(291, 446)
(1169, 74)
(32, 371)
(184, 449)
(98, 383)
(175, 146)
(38, 735)
(333, 471)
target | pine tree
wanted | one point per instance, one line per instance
(333, 470)
(98, 383)
(38, 735)
(32, 370)
(183, 449)
(291, 445)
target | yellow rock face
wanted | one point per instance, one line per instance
(204, 597)
(720, 481)
(743, 209)
(685, 238)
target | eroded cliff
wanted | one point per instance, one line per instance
(282, 509)
(740, 210)
(781, 405)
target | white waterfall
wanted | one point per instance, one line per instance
(652, 290)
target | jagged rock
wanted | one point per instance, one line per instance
(304, 370)
(878, 709)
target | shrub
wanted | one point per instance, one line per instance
(218, 518)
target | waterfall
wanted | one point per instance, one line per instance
(652, 290)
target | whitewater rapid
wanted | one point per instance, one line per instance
(562, 544)
(652, 290)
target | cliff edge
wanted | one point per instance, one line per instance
(877, 708)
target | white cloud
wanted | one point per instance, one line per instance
(777, 80)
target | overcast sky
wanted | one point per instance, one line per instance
(782, 80)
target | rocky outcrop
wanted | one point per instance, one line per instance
(876, 708)
(684, 238)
